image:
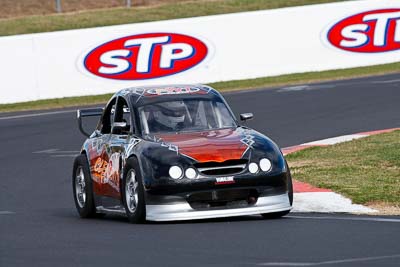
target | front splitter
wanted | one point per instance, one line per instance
(183, 211)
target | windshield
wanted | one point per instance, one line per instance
(185, 115)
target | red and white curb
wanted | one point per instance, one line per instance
(311, 199)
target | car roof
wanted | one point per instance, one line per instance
(152, 94)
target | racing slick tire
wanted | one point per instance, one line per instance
(276, 215)
(133, 192)
(82, 188)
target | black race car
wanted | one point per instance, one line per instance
(177, 153)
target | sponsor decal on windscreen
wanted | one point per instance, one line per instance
(145, 56)
(368, 32)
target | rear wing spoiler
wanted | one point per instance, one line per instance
(89, 112)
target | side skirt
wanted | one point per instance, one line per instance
(108, 205)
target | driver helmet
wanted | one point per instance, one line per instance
(170, 114)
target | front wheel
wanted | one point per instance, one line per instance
(133, 192)
(82, 188)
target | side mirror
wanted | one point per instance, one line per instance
(246, 116)
(118, 127)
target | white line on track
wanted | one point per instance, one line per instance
(368, 219)
(55, 151)
(64, 156)
(297, 88)
(5, 212)
(354, 260)
(37, 114)
(294, 88)
(52, 150)
(388, 81)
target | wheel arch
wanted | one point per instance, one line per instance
(85, 152)
(123, 169)
(145, 176)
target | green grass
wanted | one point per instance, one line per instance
(366, 170)
(291, 79)
(114, 16)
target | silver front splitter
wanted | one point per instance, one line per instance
(183, 211)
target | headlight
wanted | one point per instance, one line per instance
(175, 172)
(265, 165)
(190, 173)
(253, 167)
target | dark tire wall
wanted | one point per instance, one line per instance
(89, 209)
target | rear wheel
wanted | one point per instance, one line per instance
(275, 215)
(133, 192)
(82, 188)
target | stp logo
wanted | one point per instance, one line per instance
(368, 32)
(145, 56)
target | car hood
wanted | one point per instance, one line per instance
(214, 145)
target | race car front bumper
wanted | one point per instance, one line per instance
(183, 211)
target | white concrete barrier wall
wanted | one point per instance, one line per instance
(199, 50)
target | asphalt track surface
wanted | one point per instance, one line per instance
(40, 227)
